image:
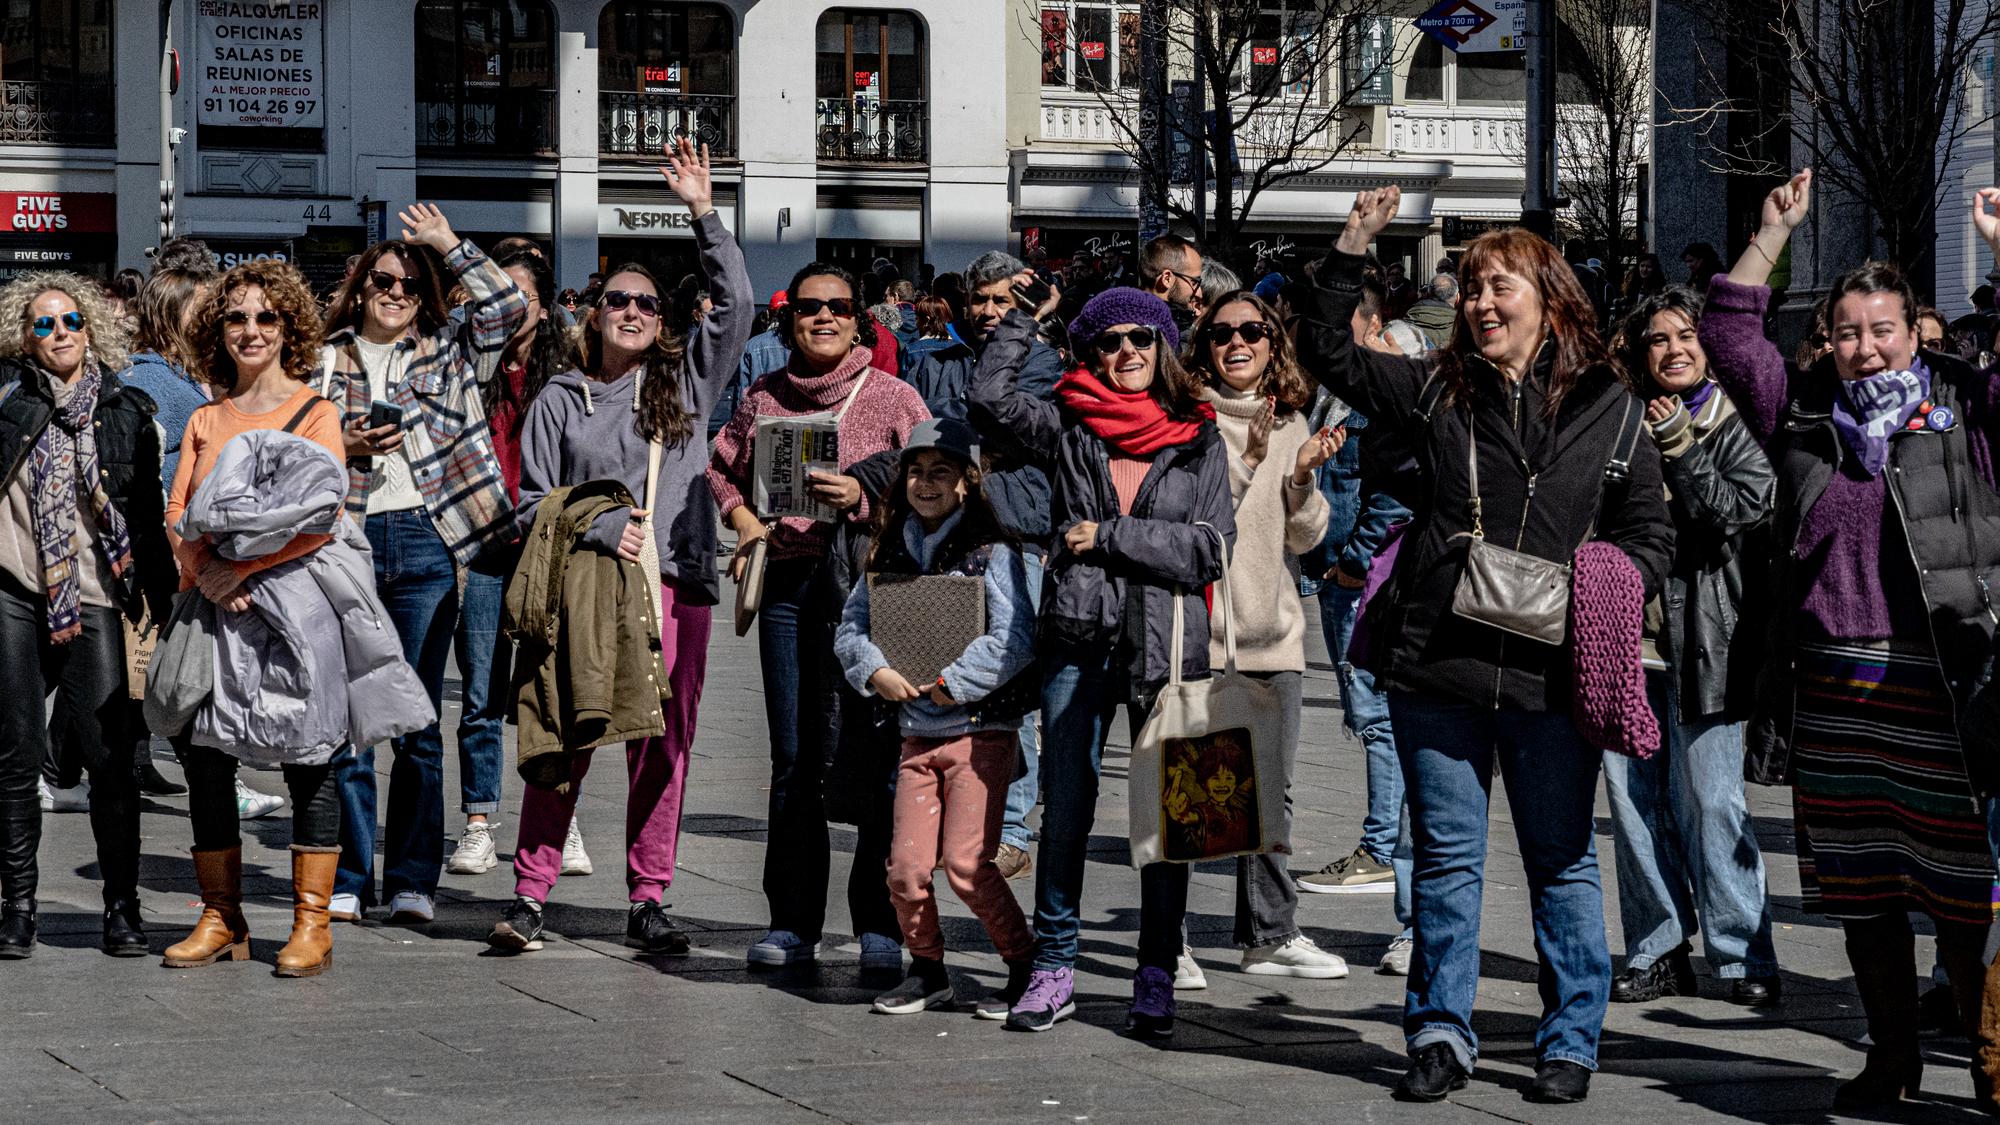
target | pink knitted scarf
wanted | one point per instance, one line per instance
(1607, 615)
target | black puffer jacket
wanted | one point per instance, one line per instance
(128, 454)
(1720, 490)
(1542, 486)
(1123, 590)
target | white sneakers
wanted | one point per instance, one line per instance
(1298, 957)
(576, 861)
(474, 854)
(344, 908)
(410, 908)
(1396, 961)
(251, 804)
(1188, 976)
(74, 799)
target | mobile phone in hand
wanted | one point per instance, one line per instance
(385, 414)
(1033, 295)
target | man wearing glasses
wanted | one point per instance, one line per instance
(1170, 269)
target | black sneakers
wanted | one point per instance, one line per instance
(1434, 1072)
(519, 930)
(651, 931)
(1756, 992)
(1672, 975)
(124, 936)
(1558, 1081)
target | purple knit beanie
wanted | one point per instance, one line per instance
(1123, 305)
(1607, 616)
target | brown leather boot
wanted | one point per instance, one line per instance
(310, 951)
(1986, 1051)
(221, 930)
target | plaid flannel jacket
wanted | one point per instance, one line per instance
(446, 438)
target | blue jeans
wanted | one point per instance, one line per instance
(1448, 750)
(485, 674)
(1385, 831)
(1081, 689)
(1025, 791)
(1686, 847)
(416, 577)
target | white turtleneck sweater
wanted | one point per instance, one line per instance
(1276, 522)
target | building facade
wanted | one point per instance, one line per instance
(300, 129)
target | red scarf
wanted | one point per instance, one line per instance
(1132, 422)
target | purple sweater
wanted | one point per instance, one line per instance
(1842, 539)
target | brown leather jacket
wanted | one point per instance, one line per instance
(587, 670)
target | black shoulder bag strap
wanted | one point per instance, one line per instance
(298, 419)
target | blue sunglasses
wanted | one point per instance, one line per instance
(46, 325)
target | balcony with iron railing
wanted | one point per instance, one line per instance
(873, 131)
(56, 113)
(486, 121)
(642, 125)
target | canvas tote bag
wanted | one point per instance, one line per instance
(1208, 772)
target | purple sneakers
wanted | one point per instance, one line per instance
(1152, 1014)
(1048, 1000)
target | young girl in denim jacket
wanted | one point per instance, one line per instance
(958, 733)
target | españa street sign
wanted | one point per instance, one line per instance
(1463, 25)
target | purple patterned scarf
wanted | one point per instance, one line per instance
(1867, 412)
(65, 454)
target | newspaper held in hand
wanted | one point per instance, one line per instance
(784, 451)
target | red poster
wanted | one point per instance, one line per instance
(1264, 56)
(864, 79)
(1090, 50)
(58, 212)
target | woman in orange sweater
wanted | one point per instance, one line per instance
(257, 342)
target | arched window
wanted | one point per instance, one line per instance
(486, 77)
(871, 84)
(665, 70)
(55, 72)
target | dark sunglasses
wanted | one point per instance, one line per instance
(46, 325)
(1254, 332)
(265, 318)
(615, 299)
(386, 282)
(1108, 343)
(842, 307)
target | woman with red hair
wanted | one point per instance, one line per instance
(1520, 430)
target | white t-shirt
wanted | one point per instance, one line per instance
(391, 486)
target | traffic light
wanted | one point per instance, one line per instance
(166, 209)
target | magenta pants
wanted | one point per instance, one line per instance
(657, 767)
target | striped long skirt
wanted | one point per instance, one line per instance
(1886, 820)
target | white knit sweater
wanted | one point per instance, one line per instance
(1275, 523)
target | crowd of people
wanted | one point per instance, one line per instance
(1551, 532)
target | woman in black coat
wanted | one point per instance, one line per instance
(1527, 389)
(82, 547)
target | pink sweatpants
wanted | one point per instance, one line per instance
(951, 794)
(658, 770)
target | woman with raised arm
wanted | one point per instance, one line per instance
(1886, 559)
(1136, 466)
(1513, 426)
(641, 390)
(425, 485)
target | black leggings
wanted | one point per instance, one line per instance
(211, 782)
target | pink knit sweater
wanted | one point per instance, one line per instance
(881, 418)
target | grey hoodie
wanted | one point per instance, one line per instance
(577, 430)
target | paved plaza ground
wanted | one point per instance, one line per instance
(425, 1025)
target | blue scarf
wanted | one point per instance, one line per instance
(1867, 412)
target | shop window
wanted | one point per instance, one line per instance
(486, 77)
(1090, 46)
(871, 88)
(665, 71)
(55, 72)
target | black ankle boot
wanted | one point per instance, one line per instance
(1883, 1082)
(124, 935)
(17, 929)
(1672, 975)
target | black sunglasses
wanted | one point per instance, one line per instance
(1108, 343)
(1254, 332)
(842, 307)
(386, 282)
(615, 299)
(265, 318)
(46, 325)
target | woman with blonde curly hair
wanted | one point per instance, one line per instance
(1250, 374)
(256, 343)
(81, 541)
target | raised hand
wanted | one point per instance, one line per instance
(687, 173)
(426, 224)
(1316, 451)
(1785, 207)
(1258, 442)
(1373, 211)
(1984, 217)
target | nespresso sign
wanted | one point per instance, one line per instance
(644, 221)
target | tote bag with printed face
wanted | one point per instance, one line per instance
(1208, 775)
